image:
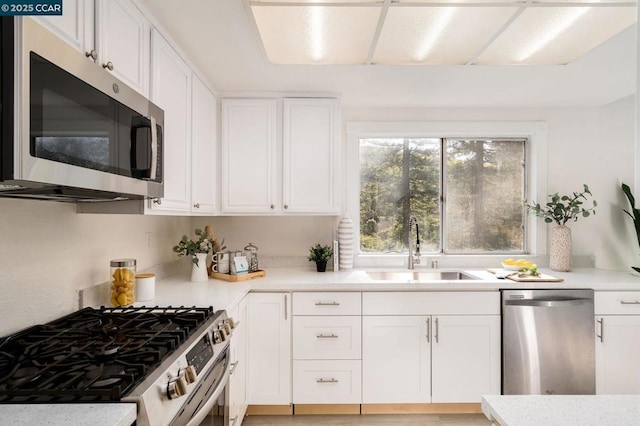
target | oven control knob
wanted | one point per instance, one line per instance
(231, 322)
(217, 338)
(223, 333)
(177, 387)
(226, 326)
(190, 374)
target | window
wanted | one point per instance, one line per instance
(465, 192)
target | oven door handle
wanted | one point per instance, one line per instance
(199, 416)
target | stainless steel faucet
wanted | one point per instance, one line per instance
(414, 258)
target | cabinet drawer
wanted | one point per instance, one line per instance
(327, 303)
(327, 382)
(326, 337)
(431, 303)
(617, 302)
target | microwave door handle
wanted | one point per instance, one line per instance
(154, 148)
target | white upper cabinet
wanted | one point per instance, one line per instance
(113, 33)
(75, 25)
(280, 156)
(203, 150)
(310, 156)
(249, 156)
(122, 42)
(171, 91)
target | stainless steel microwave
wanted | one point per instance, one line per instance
(70, 130)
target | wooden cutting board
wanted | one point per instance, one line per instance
(530, 278)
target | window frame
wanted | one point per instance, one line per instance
(535, 175)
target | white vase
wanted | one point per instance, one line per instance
(199, 271)
(560, 249)
(345, 243)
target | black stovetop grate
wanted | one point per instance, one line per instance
(92, 355)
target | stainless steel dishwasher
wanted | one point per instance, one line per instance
(548, 342)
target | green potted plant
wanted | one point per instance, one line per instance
(320, 254)
(198, 251)
(634, 214)
(562, 209)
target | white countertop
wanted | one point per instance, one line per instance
(118, 414)
(178, 290)
(562, 410)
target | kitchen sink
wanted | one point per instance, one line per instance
(403, 276)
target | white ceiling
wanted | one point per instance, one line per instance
(221, 39)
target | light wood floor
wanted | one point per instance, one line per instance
(374, 420)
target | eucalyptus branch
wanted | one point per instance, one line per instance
(562, 209)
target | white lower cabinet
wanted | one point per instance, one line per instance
(238, 376)
(617, 342)
(327, 334)
(326, 381)
(409, 356)
(465, 358)
(269, 349)
(396, 359)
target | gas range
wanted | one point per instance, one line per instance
(169, 360)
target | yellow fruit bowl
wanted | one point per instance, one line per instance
(516, 265)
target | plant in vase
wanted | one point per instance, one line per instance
(562, 209)
(634, 214)
(321, 255)
(198, 251)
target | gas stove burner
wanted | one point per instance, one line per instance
(93, 355)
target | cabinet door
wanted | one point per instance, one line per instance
(466, 358)
(171, 91)
(238, 376)
(75, 25)
(396, 359)
(310, 156)
(122, 34)
(269, 348)
(249, 156)
(203, 158)
(618, 354)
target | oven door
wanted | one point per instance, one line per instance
(209, 404)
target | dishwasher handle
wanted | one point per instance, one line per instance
(547, 303)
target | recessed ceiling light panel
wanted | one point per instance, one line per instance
(316, 34)
(556, 35)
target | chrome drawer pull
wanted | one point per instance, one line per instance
(327, 304)
(233, 365)
(601, 335)
(331, 380)
(326, 336)
(633, 302)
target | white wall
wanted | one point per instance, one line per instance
(48, 253)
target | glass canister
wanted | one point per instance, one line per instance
(251, 252)
(123, 282)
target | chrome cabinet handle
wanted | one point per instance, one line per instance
(601, 335)
(92, 54)
(331, 380)
(327, 304)
(286, 206)
(428, 330)
(108, 65)
(632, 302)
(233, 420)
(437, 330)
(286, 313)
(196, 205)
(273, 206)
(326, 336)
(234, 365)
(157, 201)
